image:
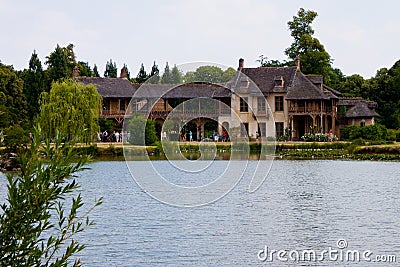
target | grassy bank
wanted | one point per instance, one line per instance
(283, 150)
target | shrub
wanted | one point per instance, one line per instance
(371, 132)
(35, 227)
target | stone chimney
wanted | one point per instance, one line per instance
(297, 62)
(123, 74)
(75, 72)
(241, 63)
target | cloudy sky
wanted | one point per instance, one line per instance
(361, 36)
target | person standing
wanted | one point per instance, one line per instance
(117, 136)
(190, 136)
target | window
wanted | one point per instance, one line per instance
(106, 104)
(122, 104)
(278, 103)
(243, 105)
(261, 104)
(262, 129)
(278, 82)
(279, 129)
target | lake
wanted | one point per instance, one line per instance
(302, 205)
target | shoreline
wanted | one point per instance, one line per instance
(283, 150)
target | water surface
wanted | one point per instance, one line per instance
(301, 205)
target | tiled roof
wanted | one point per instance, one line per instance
(303, 89)
(111, 87)
(264, 77)
(361, 109)
(190, 90)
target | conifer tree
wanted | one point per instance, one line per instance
(142, 75)
(166, 77)
(154, 74)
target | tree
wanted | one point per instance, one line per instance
(189, 77)
(12, 98)
(95, 71)
(68, 107)
(228, 74)
(111, 70)
(384, 88)
(176, 75)
(60, 63)
(352, 86)
(84, 69)
(265, 62)
(143, 131)
(34, 85)
(313, 57)
(154, 74)
(142, 75)
(36, 229)
(166, 77)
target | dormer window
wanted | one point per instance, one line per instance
(279, 81)
(244, 82)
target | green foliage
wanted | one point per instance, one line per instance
(12, 99)
(95, 71)
(151, 134)
(372, 132)
(111, 70)
(154, 74)
(84, 69)
(142, 75)
(34, 85)
(60, 63)
(176, 75)
(166, 77)
(313, 56)
(16, 138)
(105, 124)
(36, 229)
(210, 74)
(68, 107)
(265, 62)
(143, 131)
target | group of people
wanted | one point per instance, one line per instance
(220, 136)
(115, 136)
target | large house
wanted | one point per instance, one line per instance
(263, 101)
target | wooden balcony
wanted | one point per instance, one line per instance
(309, 110)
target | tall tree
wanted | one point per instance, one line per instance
(111, 70)
(95, 71)
(142, 75)
(84, 69)
(13, 101)
(166, 77)
(59, 63)
(34, 85)
(68, 107)
(313, 57)
(176, 75)
(154, 74)
(384, 88)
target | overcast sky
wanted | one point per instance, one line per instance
(361, 36)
